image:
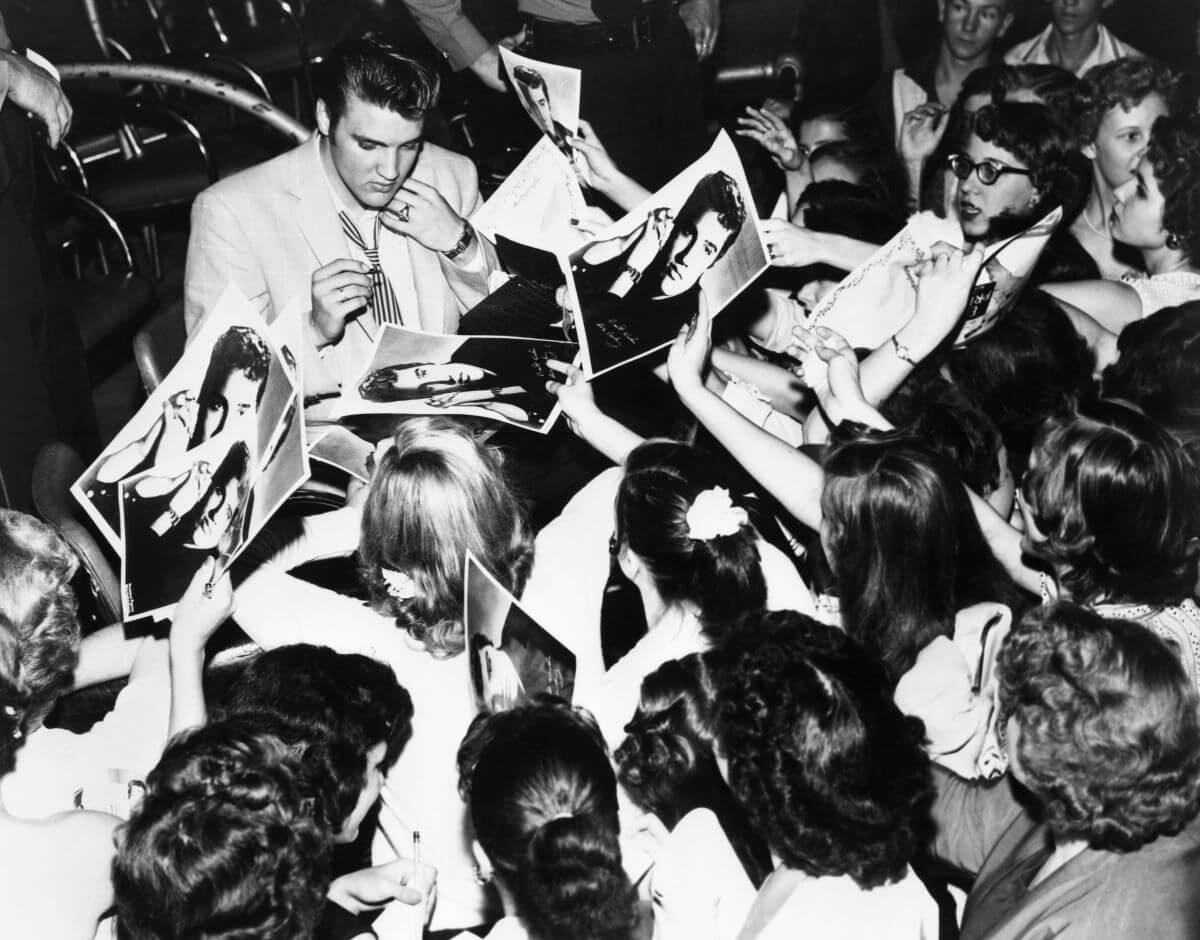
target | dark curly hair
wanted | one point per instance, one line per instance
(716, 192)
(224, 843)
(1174, 153)
(438, 494)
(833, 776)
(1158, 369)
(668, 762)
(1030, 366)
(1123, 83)
(722, 576)
(1115, 499)
(36, 597)
(543, 802)
(1108, 727)
(1032, 134)
(14, 696)
(341, 705)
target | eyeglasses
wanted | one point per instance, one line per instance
(988, 171)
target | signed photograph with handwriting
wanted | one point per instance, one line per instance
(498, 377)
(642, 278)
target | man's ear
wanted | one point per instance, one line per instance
(1088, 150)
(323, 121)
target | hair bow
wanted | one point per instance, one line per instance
(713, 514)
(400, 584)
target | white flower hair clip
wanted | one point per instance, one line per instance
(713, 514)
(400, 584)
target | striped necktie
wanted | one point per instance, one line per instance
(383, 298)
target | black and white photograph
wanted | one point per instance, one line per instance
(640, 280)
(511, 657)
(177, 515)
(232, 381)
(600, 469)
(498, 377)
(549, 94)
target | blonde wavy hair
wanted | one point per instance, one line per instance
(436, 495)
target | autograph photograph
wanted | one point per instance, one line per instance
(511, 657)
(638, 282)
(498, 377)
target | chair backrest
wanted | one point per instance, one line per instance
(58, 466)
(159, 345)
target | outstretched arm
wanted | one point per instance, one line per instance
(606, 434)
(788, 475)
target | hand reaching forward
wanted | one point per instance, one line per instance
(35, 90)
(921, 131)
(771, 132)
(574, 393)
(689, 354)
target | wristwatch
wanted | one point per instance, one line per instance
(463, 243)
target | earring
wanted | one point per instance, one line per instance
(482, 877)
(1173, 242)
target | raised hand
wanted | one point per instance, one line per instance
(574, 393)
(703, 20)
(771, 132)
(206, 604)
(790, 245)
(655, 233)
(690, 352)
(340, 290)
(842, 397)
(943, 286)
(421, 212)
(180, 412)
(921, 131)
(487, 66)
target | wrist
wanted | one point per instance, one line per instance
(466, 237)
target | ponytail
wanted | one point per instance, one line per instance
(695, 538)
(573, 884)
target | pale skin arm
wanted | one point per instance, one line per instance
(779, 385)
(606, 434)
(788, 475)
(1111, 304)
(1101, 341)
(205, 605)
(604, 175)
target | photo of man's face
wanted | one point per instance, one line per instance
(539, 100)
(693, 249)
(419, 380)
(232, 405)
(216, 515)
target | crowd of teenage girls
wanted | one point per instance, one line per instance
(920, 653)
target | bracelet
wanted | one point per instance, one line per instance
(902, 352)
(463, 243)
(632, 273)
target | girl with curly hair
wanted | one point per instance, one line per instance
(708, 868)
(833, 777)
(1104, 734)
(437, 492)
(1157, 213)
(1110, 522)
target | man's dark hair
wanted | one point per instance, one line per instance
(332, 708)
(238, 349)
(530, 78)
(372, 69)
(716, 192)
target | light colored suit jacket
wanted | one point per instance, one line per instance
(268, 228)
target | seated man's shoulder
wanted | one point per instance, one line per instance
(438, 159)
(260, 180)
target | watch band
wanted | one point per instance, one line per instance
(463, 243)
